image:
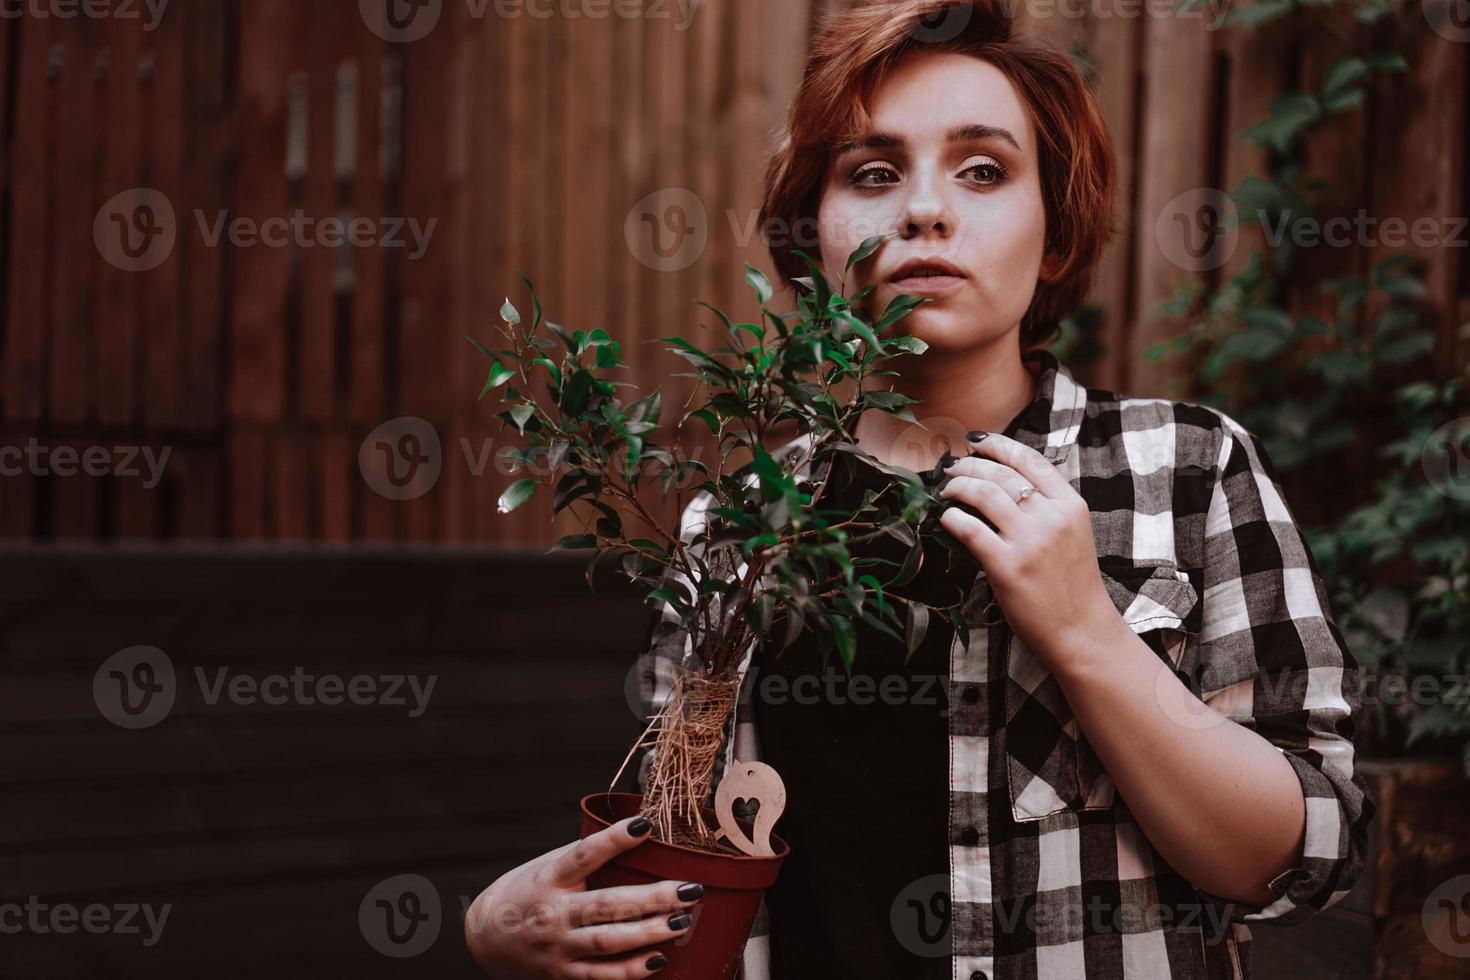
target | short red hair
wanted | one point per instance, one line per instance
(852, 50)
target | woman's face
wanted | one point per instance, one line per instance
(950, 166)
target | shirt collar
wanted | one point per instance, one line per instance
(1051, 422)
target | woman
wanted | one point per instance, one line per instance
(1146, 743)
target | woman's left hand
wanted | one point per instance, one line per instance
(1040, 558)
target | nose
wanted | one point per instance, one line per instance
(925, 210)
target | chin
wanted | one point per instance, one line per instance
(949, 329)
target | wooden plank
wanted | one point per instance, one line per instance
(376, 81)
(74, 493)
(423, 328)
(337, 468)
(248, 484)
(72, 273)
(257, 351)
(1261, 69)
(209, 154)
(1415, 134)
(327, 35)
(525, 167)
(30, 177)
(118, 349)
(196, 475)
(135, 506)
(162, 297)
(291, 475)
(17, 489)
(479, 263)
(1338, 156)
(1173, 161)
(1115, 50)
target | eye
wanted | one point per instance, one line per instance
(991, 171)
(866, 176)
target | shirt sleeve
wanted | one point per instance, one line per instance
(1272, 659)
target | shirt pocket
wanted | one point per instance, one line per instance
(1050, 768)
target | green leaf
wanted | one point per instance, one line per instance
(916, 625)
(845, 638)
(499, 375)
(1343, 76)
(867, 248)
(759, 282)
(909, 345)
(509, 313)
(521, 414)
(1290, 116)
(518, 493)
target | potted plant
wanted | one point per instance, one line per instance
(766, 563)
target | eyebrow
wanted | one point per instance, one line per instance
(958, 134)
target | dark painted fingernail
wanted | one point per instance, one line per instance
(657, 961)
(689, 891)
(680, 921)
(640, 826)
(977, 436)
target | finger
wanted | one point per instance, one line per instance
(642, 964)
(989, 469)
(971, 532)
(990, 499)
(585, 856)
(630, 901)
(611, 938)
(1039, 471)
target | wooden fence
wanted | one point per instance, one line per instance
(510, 143)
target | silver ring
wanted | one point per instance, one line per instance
(1025, 492)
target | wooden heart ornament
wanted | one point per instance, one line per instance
(750, 781)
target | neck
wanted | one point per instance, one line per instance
(957, 391)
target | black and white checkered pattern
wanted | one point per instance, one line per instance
(1050, 877)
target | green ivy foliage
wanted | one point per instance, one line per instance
(1397, 565)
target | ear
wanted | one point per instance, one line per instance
(1051, 264)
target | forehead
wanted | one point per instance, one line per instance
(925, 95)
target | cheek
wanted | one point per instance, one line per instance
(844, 222)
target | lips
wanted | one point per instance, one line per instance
(926, 269)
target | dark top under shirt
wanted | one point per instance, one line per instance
(867, 784)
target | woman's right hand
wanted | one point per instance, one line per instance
(541, 921)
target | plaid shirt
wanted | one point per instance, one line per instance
(1050, 876)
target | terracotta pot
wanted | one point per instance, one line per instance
(711, 948)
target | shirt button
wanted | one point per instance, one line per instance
(972, 694)
(979, 975)
(970, 835)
